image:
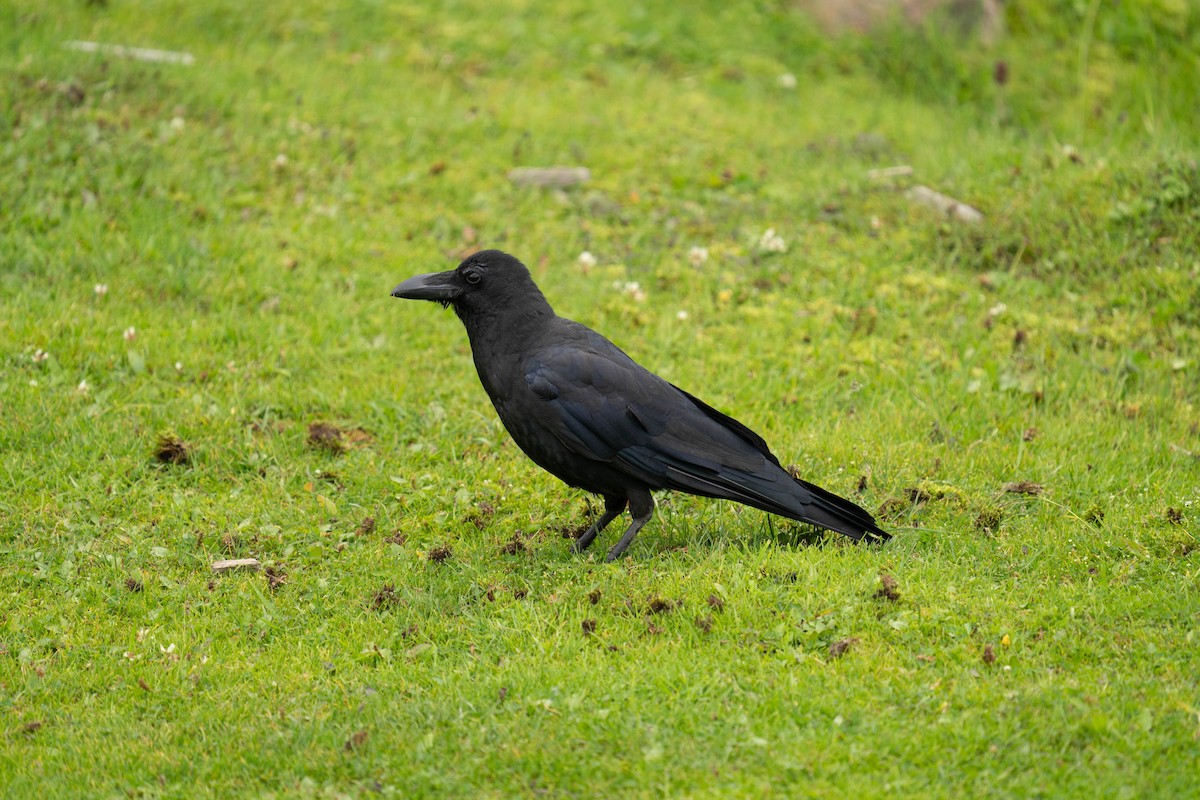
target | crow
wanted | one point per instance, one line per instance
(587, 413)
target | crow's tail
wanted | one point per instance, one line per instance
(836, 513)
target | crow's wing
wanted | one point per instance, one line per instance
(601, 405)
(596, 402)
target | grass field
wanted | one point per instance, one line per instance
(199, 360)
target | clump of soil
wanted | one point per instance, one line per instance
(514, 546)
(323, 436)
(482, 515)
(170, 449)
(134, 585)
(705, 623)
(366, 527)
(1024, 487)
(887, 588)
(589, 626)
(594, 596)
(842, 646)
(574, 531)
(440, 553)
(659, 605)
(989, 655)
(989, 520)
(715, 602)
(385, 597)
(275, 578)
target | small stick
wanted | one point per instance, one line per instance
(947, 205)
(235, 563)
(549, 176)
(883, 173)
(136, 53)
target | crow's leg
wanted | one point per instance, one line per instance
(613, 506)
(641, 508)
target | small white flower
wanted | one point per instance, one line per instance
(40, 355)
(179, 366)
(787, 80)
(84, 387)
(698, 255)
(587, 260)
(100, 289)
(280, 161)
(177, 123)
(771, 242)
(997, 310)
(33, 382)
(681, 315)
(130, 334)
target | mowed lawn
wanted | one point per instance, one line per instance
(200, 361)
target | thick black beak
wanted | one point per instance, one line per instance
(438, 286)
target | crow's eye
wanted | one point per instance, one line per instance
(473, 278)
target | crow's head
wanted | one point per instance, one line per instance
(485, 285)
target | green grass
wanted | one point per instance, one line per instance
(250, 214)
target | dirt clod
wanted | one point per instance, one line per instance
(481, 515)
(385, 597)
(659, 605)
(170, 449)
(323, 436)
(514, 546)
(715, 603)
(397, 538)
(574, 531)
(1024, 487)
(989, 655)
(594, 596)
(589, 626)
(1174, 515)
(275, 578)
(366, 527)
(887, 588)
(134, 585)
(842, 646)
(356, 740)
(989, 519)
(33, 726)
(705, 623)
(440, 553)
(917, 495)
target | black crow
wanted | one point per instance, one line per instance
(586, 412)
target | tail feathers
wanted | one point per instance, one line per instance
(839, 514)
(773, 490)
(784, 495)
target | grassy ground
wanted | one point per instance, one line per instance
(194, 272)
